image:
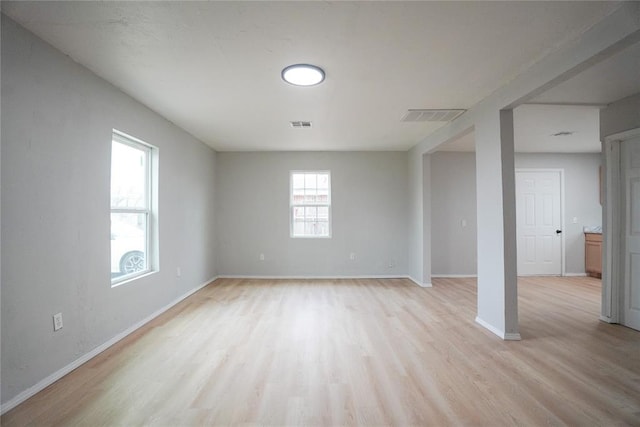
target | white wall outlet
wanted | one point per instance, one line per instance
(57, 321)
(463, 223)
(261, 257)
(352, 256)
(575, 220)
(178, 272)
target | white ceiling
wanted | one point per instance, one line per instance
(535, 125)
(213, 68)
(610, 80)
(570, 106)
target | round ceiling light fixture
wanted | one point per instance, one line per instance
(303, 75)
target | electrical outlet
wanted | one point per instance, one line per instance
(178, 272)
(352, 256)
(463, 223)
(261, 257)
(575, 220)
(57, 321)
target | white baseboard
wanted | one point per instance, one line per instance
(395, 276)
(42, 384)
(244, 276)
(606, 319)
(498, 332)
(575, 274)
(454, 276)
(419, 283)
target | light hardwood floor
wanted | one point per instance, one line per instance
(365, 352)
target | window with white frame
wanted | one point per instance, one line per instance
(310, 203)
(130, 207)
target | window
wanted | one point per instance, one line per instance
(310, 204)
(130, 207)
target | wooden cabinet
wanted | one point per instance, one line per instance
(593, 254)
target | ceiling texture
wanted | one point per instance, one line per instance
(213, 68)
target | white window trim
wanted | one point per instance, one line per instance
(292, 205)
(150, 233)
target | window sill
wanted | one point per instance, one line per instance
(129, 279)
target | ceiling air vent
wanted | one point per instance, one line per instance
(300, 125)
(431, 115)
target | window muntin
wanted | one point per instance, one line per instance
(130, 207)
(310, 204)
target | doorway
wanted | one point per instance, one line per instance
(539, 206)
(630, 259)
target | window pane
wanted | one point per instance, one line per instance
(323, 180)
(310, 214)
(298, 180)
(128, 176)
(310, 180)
(298, 228)
(310, 203)
(323, 213)
(128, 243)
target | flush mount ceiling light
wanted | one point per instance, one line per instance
(303, 75)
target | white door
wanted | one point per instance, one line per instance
(539, 222)
(631, 259)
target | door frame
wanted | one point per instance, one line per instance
(612, 216)
(562, 225)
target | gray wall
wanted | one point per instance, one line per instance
(57, 119)
(454, 197)
(368, 215)
(620, 116)
(453, 192)
(415, 216)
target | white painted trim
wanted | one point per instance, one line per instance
(512, 337)
(42, 384)
(623, 136)
(498, 332)
(611, 229)
(454, 276)
(575, 274)
(249, 277)
(562, 210)
(279, 277)
(414, 281)
(490, 327)
(606, 319)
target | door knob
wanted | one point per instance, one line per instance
(558, 231)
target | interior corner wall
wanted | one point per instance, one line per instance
(57, 121)
(620, 116)
(368, 215)
(454, 195)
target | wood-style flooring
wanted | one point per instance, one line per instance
(357, 352)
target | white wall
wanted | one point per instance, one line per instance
(57, 119)
(368, 193)
(453, 192)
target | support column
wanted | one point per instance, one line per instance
(426, 220)
(497, 261)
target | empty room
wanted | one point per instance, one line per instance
(320, 213)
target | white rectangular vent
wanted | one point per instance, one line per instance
(431, 115)
(300, 124)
